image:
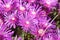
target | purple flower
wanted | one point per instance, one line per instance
(6, 5)
(5, 33)
(36, 31)
(30, 16)
(49, 3)
(11, 19)
(30, 19)
(27, 22)
(20, 5)
(41, 27)
(39, 32)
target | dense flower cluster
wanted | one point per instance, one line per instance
(31, 16)
(5, 33)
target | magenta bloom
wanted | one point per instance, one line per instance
(27, 22)
(40, 29)
(49, 3)
(5, 33)
(6, 5)
(11, 20)
(40, 32)
(30, 16)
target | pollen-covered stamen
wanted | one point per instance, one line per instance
(47, 23)
(27, 22)
(13, 18)
(11, 21)
(48, 2)
(33, 12)
(21, 8)
(40, 31)
(7, 5)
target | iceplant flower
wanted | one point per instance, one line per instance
(20, 6)
(49, 3)
(34, 12)
(43, 19)
(36, 31)
(41, 28)
(7, 5)
(40, 31)
(48, 25)
(26, 22)
(5, 33)
(11, 20)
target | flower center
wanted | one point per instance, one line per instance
(40, 31)
(7, 5)
(13, 19)
(22, 8)
(33, 12)
(27, 22)
(48, 2)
